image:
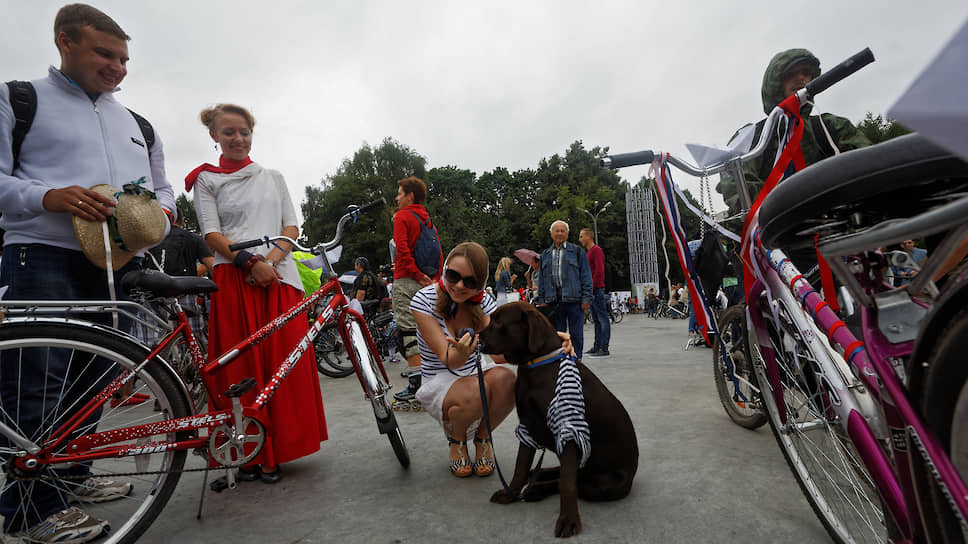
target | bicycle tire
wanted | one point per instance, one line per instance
(103, 354)
(328, 347)
(945, 394)
(748, 413)
(617, 317)
(375, 387)
(180, 359)
(815, 447)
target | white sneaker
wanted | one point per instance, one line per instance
(94, 490)
(71, 526)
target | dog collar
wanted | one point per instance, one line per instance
(548, 359)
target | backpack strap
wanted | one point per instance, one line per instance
(146, 130)
(431, 225)
(23, 101)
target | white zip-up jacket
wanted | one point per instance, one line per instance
(73, 141)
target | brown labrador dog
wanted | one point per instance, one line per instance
(522, 334)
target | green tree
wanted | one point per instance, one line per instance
(878, 129)
(371, 173)
(187, 207)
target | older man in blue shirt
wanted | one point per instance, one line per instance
(565, 281)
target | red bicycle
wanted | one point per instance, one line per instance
(147, 444)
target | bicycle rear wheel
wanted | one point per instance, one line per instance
(177, 354)
(813, 440)
(329, 354)
(375, 387)
(742, 403)
(36, 357)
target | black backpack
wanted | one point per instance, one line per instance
(23, 101)
(427, 253)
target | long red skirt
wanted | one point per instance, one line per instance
(295, 420)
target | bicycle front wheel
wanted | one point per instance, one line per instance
(375, 387)
(48, 372)
(739, 398)
(814, 441)
(617, 316)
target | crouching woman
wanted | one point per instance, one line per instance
(450, 390)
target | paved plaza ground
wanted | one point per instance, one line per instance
(700, 479)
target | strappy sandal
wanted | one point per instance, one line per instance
(460, 468)
(485, 464)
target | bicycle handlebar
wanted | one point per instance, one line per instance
(246, 245)
(839, 72)
(628, 159)
(822, 83)
(322, 247)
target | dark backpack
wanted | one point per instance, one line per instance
(427, 253)
(23, 101)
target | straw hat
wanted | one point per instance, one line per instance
(138, 222)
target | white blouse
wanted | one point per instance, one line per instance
(250, 203)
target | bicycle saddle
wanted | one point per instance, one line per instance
(163, 285)
(860, 188)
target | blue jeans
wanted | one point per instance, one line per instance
(38, 387)
(571, 319)
(693, 324)
(603, 325)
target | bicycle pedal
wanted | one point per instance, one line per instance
(241, 388)
(219, 485)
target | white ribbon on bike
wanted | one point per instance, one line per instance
(110, 271)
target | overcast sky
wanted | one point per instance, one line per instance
(480, 84)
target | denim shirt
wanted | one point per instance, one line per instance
(576, 276)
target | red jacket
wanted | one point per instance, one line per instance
(406, 231)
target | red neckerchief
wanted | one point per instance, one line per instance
(452, 310)
(225, 166)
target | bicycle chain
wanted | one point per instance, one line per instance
(121, 474)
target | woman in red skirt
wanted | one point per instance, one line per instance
(240, 200)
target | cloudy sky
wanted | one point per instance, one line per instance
(480, 84)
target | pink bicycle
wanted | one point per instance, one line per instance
(874, 430)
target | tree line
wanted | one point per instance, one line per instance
(500, 209)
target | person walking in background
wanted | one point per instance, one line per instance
(45, 177)
(503, 280)
(240, 200)
(596, 262)
(407, 276)
(565, 283)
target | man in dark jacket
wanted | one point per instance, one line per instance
(824, 135)
(565, 281)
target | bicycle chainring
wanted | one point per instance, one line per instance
(229, 448)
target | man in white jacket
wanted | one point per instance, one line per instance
(80, 136)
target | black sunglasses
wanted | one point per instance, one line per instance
(470, 282)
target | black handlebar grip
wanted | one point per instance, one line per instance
(378, 202)
(840, 71)
(245, 245)
(628, 159)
